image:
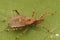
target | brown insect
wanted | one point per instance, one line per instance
(20, 22)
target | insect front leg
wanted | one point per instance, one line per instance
(42, 26)
(39, 25)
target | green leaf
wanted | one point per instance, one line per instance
(25, 7)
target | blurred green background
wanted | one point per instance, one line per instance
(25, 7)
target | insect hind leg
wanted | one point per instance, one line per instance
(16, 12)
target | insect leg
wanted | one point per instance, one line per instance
(26, 29)
(33, 14)
(42, 26)
(16, 12)
(41, 18)
(6, 30)
(39, 25)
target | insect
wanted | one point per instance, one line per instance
(20, 22)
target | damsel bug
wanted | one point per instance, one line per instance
(20, 22)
